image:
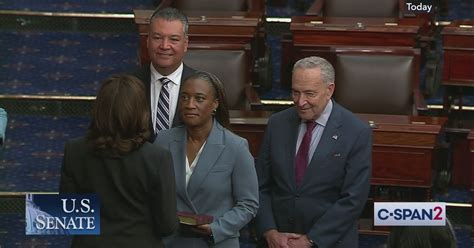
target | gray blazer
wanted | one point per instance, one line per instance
(223, 184)
(332, 195)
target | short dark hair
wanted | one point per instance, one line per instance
(222, 112)
(120, 117)
(171, 14)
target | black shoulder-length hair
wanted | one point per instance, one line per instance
(120, 117)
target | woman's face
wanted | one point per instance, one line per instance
(197, 103)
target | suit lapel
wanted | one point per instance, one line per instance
(178, 152)
(327, 142)
(210, 153)
(292, 138)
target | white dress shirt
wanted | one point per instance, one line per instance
(190, 167)
(173, 89)
(317, 131)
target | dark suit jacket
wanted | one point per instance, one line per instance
(137, 194)
(334, 189)
(144, 75)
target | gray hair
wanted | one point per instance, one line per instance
(327, 70)
(171, 14)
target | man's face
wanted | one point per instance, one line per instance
(310, 94)
(166, 45)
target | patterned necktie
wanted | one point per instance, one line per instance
(301, 160)
(163, 108)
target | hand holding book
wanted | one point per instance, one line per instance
(191, 219)
(196, 224)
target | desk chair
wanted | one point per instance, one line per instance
(378, 80)
(232, 68)
(361, 8)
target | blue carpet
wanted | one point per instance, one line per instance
(34, 150)
(463, 237)
(88, 6)
(454, 195)
(63, 63)
(12, 234)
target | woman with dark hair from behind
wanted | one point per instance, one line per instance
(422, 236)
(134, 179)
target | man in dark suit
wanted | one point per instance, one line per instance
(167, 43)
(314, 166)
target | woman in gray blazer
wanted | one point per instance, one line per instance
(134, 179)
(215, 173)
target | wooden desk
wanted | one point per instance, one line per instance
(458, 73)
(457, 133)
(458, 46)
(207, 27)
(362, 31)
(403, 149)
(251, 126)
(318, 35)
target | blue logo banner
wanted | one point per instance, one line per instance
(62, 214)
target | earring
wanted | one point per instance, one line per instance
(214, 111)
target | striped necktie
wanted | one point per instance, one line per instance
(163, 108)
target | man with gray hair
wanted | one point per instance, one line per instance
(314, 166)
(167, 44)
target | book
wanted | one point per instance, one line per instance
(188, 218)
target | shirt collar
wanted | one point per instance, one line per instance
(324, 116)
(175, 76)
